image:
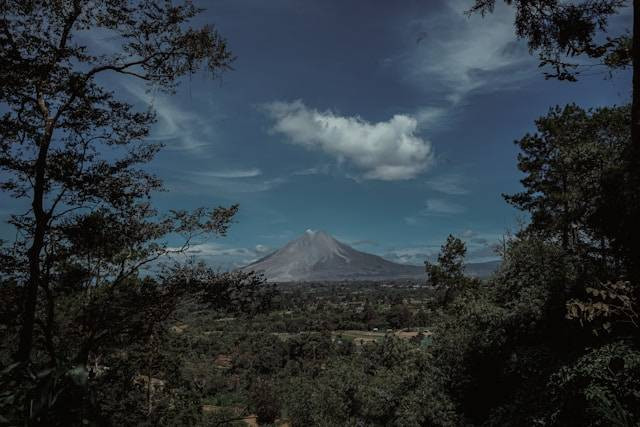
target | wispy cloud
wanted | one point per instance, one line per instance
(364, 242)
(433, 208)
(229, 185)
(228, 182)
(283, 235)
(178, 128)
(452, 184)
(415, 255)
(458, 55)
(482, 252)
(212, 250)
(431, 117)
(440, 207)
(410, 220)
(231, 174)
(388, 151)
(481, 247)
(222, 256)
(468, 233)
(262, 249)
(316, 170)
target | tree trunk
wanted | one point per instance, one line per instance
(635, 108)
(633, 198)
(33, 254)
(565, 216)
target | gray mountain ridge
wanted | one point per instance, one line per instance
(317, 256)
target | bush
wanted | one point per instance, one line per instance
(602, 388)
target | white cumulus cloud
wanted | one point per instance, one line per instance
(389, 150)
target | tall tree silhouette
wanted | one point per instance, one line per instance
(562, 33)
(567, 164)
(71, 148)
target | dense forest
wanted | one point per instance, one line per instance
(90, 336)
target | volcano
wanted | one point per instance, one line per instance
(317, 256)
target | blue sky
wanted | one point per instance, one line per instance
(387, 124)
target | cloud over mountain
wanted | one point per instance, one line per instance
(389, 150)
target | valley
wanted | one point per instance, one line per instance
(311, 330)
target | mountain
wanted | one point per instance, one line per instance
(316, 256)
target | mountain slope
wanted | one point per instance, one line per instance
(316, 256)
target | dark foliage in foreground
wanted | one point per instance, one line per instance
(552, 339)
(74, 295)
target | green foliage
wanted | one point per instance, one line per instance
(447, 274)
(561, 31)
(42, 397)
(399, 316)
(75, 152)
(498, 342)
(567, 166)
(601, 388)
(87, 341)
(239, 292)
(387, 384)
(534, 281)
(450, 265)
(265, 400)
(609, 306)
(508, 348)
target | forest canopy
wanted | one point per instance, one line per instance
(100, 326)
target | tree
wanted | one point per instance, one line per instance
(563, 31)
(71, 149)
(236, 292)
(74, 153)
(599, 388)
(568, 165)
(448, 273)
(399, 316)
